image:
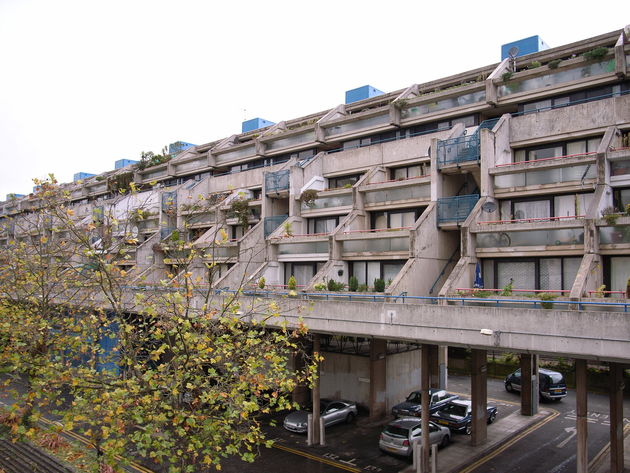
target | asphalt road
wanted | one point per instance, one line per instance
(354, 448)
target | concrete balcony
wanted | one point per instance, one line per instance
(328, 202)
(386, 243)
(561, 173)
(400, 193)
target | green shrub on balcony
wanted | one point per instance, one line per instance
(353, 284)
(379, 285)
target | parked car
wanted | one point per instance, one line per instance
(457, 415)
(551, 384)
(398, 436)
(412, 406)
(333, 412)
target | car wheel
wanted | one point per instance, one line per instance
(492, 417)
(468, 430)
(445, 441)
(509, 388)
(350, 418)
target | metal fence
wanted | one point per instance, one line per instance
(271, 223)
(455, 209)
(277, 181)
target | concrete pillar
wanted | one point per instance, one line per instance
(616, 417)
(378, 378)
(443, 366)
(529, 384)
(434, 366)
(425, 379)
(479, 396)
(316, 394)
(300, 393)
(581, 421)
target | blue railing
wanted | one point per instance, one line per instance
(455, 209)
(271, 223)
(400, 298)
(463, 148)
(277, 181)
(169, 201)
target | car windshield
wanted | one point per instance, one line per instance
(396, 431)
(556, 378)
(414, 397)
(455, 410)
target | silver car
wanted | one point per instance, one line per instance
(398, 436)
(333, 412)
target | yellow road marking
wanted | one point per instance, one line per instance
(511, 442)
(316, 458)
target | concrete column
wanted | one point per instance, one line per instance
(316, 394)
(434, 366)
(479, 396)
(443, 366)
(616, 417)
(529, 384)
(581, 421)
(300, 393)
(425, 379)
(378, 378)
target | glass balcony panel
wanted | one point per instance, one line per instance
(613, 235)
(546, 176)
(239, 153)
(558, 77)
(291, 141)
(565, 236)
(200, 219)
(444, 104)
(620, 168)
(404, 193)
(376, 245)
(370, 122)
(303, 247)
(329, 202)
(222, 252)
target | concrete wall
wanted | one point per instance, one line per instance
(346, 377)
(403, 376)
(563, 123)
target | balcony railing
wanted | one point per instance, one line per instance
(614, 235)
(376, 244)
(169, 201)
(553, 159)
(277, 181)
(455, 209)
(420, 191)
(531, 220)
(458, 150)
(303, 248)
(271, 223)
(328, 202)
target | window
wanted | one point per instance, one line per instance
(367, 271)
(553, 150)
(616, 272)
(343, 181)
(621, 198)
(303, 272)
(322, 224)
(576, 97)
(407, 172)
(394, 218)
(545, 207)
(531, 273)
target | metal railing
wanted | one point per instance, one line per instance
(455, 209)
(277, 181)
(463, 148)
(271, 223)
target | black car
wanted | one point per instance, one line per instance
(551, 384)
(412, 406)
(457, 415)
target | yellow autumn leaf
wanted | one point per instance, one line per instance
(70, 212)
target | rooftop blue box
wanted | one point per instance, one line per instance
(362, 93)
(255, 124)
(121, 163)
(533, 44)
(179, 146)
(82, 175)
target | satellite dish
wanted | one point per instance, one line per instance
(489, 206)
(513, 52)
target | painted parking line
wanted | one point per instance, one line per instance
(511, 442)
(316, 458)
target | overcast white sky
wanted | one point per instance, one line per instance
(85, 83)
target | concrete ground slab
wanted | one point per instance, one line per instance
(462, 457)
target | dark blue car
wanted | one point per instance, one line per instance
(457, 416)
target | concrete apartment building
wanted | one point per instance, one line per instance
(499, 176)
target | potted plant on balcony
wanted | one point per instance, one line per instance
(240, 209)
(610, 215)
(308, 198)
